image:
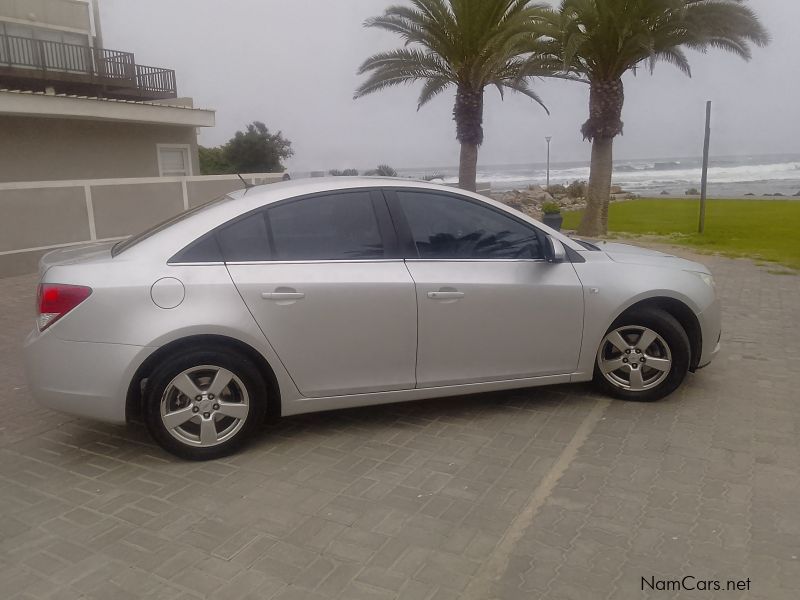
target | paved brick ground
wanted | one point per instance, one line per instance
(546, 493)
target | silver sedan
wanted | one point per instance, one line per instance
(334, 293)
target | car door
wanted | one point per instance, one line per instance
(490, 307)
(322, 277)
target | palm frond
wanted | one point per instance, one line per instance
(521, 86)
(603, 39)
(469, 43)
(404, 65)
(432, 88)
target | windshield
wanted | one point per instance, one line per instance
(131, 241)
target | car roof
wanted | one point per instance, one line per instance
(301, 187)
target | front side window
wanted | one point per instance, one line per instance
(340, 226)
(446, 227)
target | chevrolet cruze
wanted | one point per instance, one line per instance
(333, 293)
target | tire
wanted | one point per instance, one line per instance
(211, 418)
(644, 374)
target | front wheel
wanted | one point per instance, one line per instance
(644, 356)
(204, 404)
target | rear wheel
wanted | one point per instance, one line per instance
(644, 356)
(204, 404)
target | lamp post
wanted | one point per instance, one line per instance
(548, 138)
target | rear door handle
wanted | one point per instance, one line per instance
(283, 295)
(445, 295)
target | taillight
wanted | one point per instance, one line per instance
(57, 299)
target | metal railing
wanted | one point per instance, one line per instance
(95, 64)
(155, 79)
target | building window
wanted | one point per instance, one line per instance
(174, 160)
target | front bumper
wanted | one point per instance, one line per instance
(711, 328)
(86, 379)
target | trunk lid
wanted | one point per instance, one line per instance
(75, 254)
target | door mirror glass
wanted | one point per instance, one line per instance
(555, 252)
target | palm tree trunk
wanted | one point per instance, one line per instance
(468, 167)
(605, 110)
(595, 218)
(468, 115)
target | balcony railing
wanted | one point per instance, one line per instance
(24, 58)
(154, 79)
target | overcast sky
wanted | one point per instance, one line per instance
(292, 64)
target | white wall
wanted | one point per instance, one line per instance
(39, 216)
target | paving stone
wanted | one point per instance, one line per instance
(412, 501)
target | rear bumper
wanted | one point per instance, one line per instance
(85, 379)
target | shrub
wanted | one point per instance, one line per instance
(557, 190)
(692, 192)
(344, 173)
(576, 189)
(551, 208)
(382, 171)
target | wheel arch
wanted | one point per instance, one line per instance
(135, 395)
(682, 313)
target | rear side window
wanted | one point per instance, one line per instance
(340, 226)
(123, 245)
(203, 250)
(446, 227)
(245, 239)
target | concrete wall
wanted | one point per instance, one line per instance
(64, 14)
(121, 209)
(36, 217)
(50, 149)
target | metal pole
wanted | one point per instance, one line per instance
(704, 180)
(548, 138)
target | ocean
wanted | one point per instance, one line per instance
(728, 177)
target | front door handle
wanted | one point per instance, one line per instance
(283, 295)
(445, 295)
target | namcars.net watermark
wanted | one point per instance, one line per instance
(691, 583)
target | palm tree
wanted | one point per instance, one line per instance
(603, 39)
(469, 44)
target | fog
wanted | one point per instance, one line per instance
(292, 64)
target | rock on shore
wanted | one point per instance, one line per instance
(530, 200)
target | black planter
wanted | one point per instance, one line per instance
(553, 220)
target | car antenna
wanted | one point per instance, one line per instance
(247, 185)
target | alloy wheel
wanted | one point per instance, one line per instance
(204, 406)
(634, 358)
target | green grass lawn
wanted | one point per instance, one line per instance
(767, 230)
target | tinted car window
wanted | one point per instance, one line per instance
(448, 227)
(203, 250)
(331, 227)
(245, 240)
(123, 245)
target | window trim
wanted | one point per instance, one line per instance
(186, 147)
(407, 239)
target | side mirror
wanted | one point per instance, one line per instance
(554, 250)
